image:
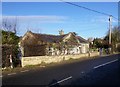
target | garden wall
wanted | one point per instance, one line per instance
(34, 60)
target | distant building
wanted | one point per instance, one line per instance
(33, 44)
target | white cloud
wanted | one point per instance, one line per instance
(38, 18)
(102, 19)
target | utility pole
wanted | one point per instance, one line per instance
(110, 28)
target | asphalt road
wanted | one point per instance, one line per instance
(101, 71)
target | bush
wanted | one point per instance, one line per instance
(118, 48)
(9, 47)
(6, 51)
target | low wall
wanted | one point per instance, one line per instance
(49, 59)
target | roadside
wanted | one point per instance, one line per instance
(42, 65)
(8, 71)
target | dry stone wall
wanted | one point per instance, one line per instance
(34, 60)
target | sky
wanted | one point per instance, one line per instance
(51, 17)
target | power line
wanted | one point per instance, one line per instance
(116, 18)
(90, 9)
(85, 8)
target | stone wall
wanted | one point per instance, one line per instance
(50, 59)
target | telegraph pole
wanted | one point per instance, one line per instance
(110, 28)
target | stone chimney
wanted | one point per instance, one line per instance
(61, 32)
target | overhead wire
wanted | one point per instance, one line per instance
(91, 10)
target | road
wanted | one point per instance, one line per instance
(97, 71)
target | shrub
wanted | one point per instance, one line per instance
(118, 48)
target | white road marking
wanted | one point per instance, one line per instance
(25, 71)
(82, 72)
(11, 74)
(61, 81)
(105, 63)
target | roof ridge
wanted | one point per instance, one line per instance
(48, 34)
(79, 37)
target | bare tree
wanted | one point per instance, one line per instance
(10, 24)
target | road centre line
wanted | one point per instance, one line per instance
(105, 63)
(11, 74)
(61, 81)
(64, 79)
(82, 72)
(25, 71)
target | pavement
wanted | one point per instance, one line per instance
(103, 71)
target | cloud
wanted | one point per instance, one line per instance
(102, 19)
(38, 18)
(35, 23)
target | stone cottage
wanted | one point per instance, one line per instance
(34, 44)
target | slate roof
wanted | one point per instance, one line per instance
(82, 40)
(50, 38)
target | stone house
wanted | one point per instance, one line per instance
(34, 44)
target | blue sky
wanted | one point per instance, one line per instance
(50, 17)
